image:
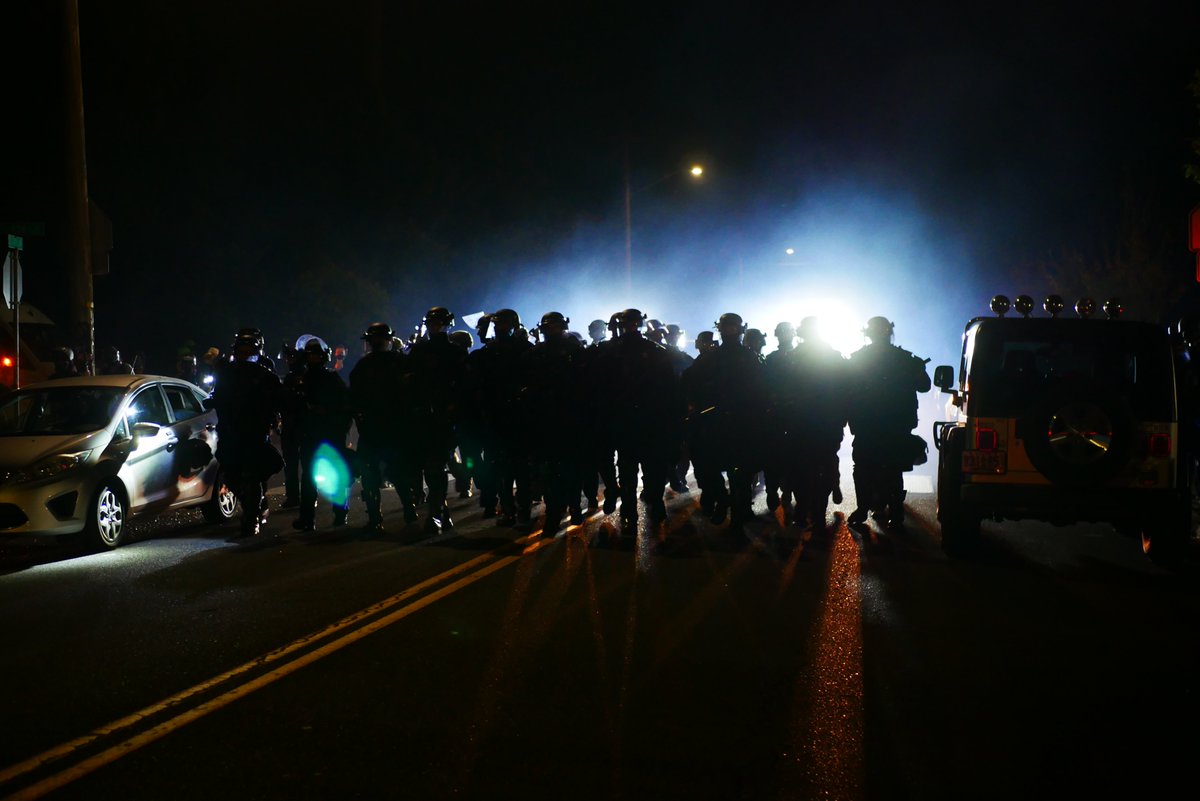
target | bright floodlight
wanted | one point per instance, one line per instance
(697, 170)
(790, 251)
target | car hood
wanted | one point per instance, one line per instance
(17, 452)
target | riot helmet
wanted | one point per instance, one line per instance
(378, 337)
(248, 345)
(462, 338)
(705, 341)
(632, 320)
(731, 327)
(506, 322)
(879, 329)
(553, 322)
(810, 330)
(614, 325)
(316, 351)
(597, 330)
(378, 330)
(439, 316)
(785, 333)
(755, 340)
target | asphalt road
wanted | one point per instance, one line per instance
(769, 664)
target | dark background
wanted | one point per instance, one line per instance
(315, 166)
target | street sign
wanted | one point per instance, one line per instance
(11, 297)
(15, 242)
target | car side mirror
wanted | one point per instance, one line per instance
(943, 378)
(142, 430)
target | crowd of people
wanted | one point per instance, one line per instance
(545, 415)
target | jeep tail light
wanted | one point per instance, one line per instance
(1158, 444)
(986, 439)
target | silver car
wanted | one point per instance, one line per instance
(88, 454)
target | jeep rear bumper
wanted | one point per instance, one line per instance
(1065, 505)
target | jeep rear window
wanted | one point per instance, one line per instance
(1017, 361)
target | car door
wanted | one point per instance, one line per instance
(195, 431)
(148, 472)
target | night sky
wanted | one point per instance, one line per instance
(310, 167)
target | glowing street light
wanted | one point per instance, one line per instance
(697, 170)
(790, 251)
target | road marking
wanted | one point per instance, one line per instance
(65, 749)
(114, 753)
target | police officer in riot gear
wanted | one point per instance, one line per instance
(755, 341)
(705, 342)
(643, 415)
(884, 381)
(324, 419)
(495, 384)
(289, 424)
(597, 332)
(811, 403)
(725, 401)
(248, 399)
(596, 443)
(438, 366)
(379, 399)
(774, 369)
(551, 372)
(469, 449)
(680, 362)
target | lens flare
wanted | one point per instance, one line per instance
(331, 474)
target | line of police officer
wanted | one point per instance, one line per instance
(545, 419)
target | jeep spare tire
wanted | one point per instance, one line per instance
(1078, 434)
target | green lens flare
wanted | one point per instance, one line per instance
(331, 474)
(469, 463)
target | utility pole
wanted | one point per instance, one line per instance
(628, 231)
(78, 230)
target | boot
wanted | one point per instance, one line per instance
(339, 517)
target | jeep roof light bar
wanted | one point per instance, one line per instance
(1054, 306)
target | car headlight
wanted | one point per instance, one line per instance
(50, 467)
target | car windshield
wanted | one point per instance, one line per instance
(59, 410)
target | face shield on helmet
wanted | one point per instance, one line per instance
(248, 345)
(316, 351)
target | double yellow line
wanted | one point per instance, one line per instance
(285, 663)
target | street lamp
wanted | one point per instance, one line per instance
(696, 171)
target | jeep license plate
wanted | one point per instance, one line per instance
(984, 462)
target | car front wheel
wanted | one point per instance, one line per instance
(107, 518)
